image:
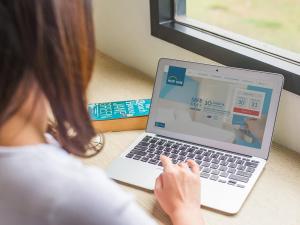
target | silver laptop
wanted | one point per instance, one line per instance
(221, 117)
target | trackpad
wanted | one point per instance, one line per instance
(134, 172)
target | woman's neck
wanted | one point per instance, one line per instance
(19, 131)
(28, 125)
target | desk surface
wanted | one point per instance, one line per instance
(275, 198)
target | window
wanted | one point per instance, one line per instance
(269, 23)
(248, 34)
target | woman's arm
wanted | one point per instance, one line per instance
(177, 190)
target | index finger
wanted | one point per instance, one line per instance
(166, 162)
(194, 166)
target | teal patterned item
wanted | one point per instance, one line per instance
(119, 110)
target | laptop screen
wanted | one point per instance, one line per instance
(221, 108)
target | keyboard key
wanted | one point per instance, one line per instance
(251, 164)
(215, 156)
(207, 159)
(232, 165)
(205, 164)
(138, 147)
(141, 153)
(153, 161)
(222, 168)
(222, 181)
(231, 170)
(206, 170)
(152, 146)
(231, 182)
(204, 175)
(241, 167)
(158, 152)
(147, 138)
(215, 172)
(191, 155)
(175, 151)
(183, 148)
(181, 157)
(142, 143)
(240, 185)
(168, 144)
(223, 158)
(137, 157)
(160, 147)
(231, 160)
(214, 166)
(173, 156)
(206, 154)
(198, 152)
(200, 157)
(174, 161)
(250, 170)
(214, 177)
(166, 153)
(129, 155)
(240, 162)
(191, 150)
(198, 161)
(151, 150)
(216, 161)
(157, 157)
(238, 178)
(183, 153)
(224, 163)
(175, 146)
(224, 174)
(168, 149)
(161, 142)
(144, 159)
(244, 174)
(150, 155)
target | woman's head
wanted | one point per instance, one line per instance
(48, 43)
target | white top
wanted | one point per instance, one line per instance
(43, 185)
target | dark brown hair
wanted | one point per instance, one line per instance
(50, 42)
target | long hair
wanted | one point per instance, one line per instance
(50, 42)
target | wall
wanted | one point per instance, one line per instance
(123, 32)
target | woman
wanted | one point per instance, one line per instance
(46, 60)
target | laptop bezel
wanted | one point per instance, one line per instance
(276, 79)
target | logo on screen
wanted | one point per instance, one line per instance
(176, 76)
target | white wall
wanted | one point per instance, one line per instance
(123, 32)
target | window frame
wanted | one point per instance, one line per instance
(226, 51)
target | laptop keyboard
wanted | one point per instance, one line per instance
(215, 165)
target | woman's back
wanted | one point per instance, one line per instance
(41, 184)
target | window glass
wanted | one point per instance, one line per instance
(275, 22)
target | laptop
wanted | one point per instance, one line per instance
(221, 117)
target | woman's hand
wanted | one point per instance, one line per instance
(177, 190)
